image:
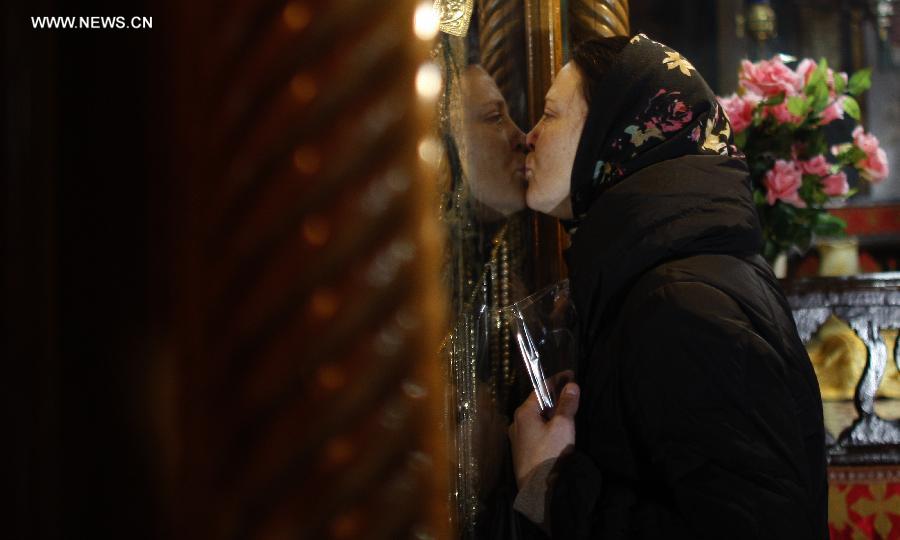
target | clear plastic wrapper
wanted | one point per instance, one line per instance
(542, 326)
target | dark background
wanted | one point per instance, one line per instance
(80, 109)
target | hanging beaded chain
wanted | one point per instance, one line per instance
(502, 373)
(496, 320)
(463, 345)
(504, 330)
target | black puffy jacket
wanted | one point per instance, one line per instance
(700, 413)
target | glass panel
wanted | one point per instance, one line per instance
(498, 58)
(481, 123)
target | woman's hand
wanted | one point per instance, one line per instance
(535, 440)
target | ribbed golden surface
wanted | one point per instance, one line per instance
(590, 18)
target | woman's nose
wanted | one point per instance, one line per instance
(531, 138)
(518, 139)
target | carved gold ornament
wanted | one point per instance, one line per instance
(455, 15)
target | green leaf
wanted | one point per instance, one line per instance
(860, 81)
(851, 107)
(839, 83)
(815, 143)
(822, 69)
(759, 198)
(774, 100)
(827, 224)
(851, 155)
(740, 139)
(797, 105)
(819, 77)
(757, 116)
(820, 98)
(811, 192)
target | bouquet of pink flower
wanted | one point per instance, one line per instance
(779, 116)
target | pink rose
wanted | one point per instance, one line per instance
(874, 167)
(783, 183)
(768, 78)
(818, 166)
(833, 112)
(866, 142)
(835, 185)
(739, 110)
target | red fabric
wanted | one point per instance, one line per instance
(864, 503)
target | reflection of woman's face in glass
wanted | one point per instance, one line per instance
(493, 146)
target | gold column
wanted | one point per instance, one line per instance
(590, 18)
(303, 397)
(501, 29)
(544, 50)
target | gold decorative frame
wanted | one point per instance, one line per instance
(455, 15)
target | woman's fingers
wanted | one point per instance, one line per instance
(568, 401)
(530, 406)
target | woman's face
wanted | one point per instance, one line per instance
(494, 147)
(553, 143)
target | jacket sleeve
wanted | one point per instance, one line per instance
(716, 431)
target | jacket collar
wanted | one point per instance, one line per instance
(671, 210)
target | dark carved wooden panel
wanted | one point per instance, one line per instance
(869, 304)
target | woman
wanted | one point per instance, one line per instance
(698, 414)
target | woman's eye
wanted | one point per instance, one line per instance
(495, 118)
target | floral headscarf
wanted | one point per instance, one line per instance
(651, 106)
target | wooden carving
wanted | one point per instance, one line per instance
(591, 18)
(501, 33)
(869, 305)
